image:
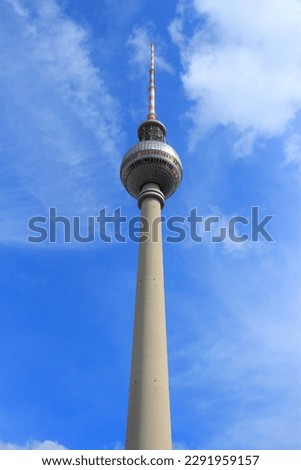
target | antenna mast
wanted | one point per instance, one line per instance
(151, 96)
(152, 129)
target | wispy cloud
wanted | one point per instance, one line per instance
(59, 121)
(139, 41)
(32, 445)
(242, 361)
(60, 50)
(241, 65)
(292, 154)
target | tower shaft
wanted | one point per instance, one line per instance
(148, 425)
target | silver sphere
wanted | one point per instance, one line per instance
(151, 161)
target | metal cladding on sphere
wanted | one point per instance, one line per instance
(152, 160)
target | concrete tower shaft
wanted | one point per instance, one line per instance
(148, 424)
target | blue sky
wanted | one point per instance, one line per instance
(73, 88)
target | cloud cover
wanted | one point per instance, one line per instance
(59, 121)
(33, 445)
(242, 64)
(139, 41)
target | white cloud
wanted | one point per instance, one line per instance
(292, 156)
(18, 8)
(59, 122)
(263, 431)
(240, 359)
(293, 150)
(242, 64)
(179, 445)
(59, 48)
(32, 445)
(244, 145)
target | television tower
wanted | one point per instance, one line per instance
(150, 171)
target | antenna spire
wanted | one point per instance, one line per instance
(152, 129)
(151, 95)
